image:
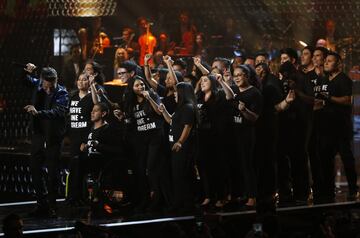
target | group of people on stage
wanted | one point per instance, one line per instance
(229, 134)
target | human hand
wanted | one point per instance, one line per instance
(31, 109)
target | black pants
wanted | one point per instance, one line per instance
(42, 155)
(211, 165)
(149, 163)
(330, 144)
(292, 161)
(182, 177)
(243, 167)
(313, 146)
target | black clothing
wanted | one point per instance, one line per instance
(79, 126)
(48, 130)
(245, 142)
(182, 161)
(211, 161)
(293, 125)
(335, 133)
(148, 143)
(267, 138)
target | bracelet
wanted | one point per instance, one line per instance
(179, 144)
(288, 103)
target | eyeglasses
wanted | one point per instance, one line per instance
(121, 73)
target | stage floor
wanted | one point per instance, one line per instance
(67, 216)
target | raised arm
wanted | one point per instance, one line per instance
(94, 94)
(229, 93)
(169, 63)
(29, 70)
(152, 82)
(197, 63)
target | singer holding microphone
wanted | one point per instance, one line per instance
(48, 109)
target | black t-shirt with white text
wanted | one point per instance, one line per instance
(253, 102)
(146, 121)
(103, 144)
(80, 117)
(334, 115)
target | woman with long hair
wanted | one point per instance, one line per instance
(141, 108)
(181, 137)
(121, 56)
(212, 105)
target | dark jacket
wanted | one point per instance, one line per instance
(50, 120)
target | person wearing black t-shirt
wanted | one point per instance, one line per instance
(100, 146)
(81, 105)
(312, 62)
(183, 123)
(335, 130)
(248, 106)
(213, 107)
(267, 132)
(141, 108)
(293, 172)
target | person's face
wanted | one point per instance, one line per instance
(199, 39)
(89, 69)
(240, 77)
(205, 84)
(260, 72)
(260, 59)
(306, 57)
(126, 35)
(138, 87)
(330, 64)
(83, 83)
(143, 24)
(318, 58)
(217, 64)
(250, 62)
(169, 82)
(123, 74)
(284, 58)
(48, 87)
(184, 18)
(96, 114)
(120, 54)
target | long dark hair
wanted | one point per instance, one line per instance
(186, 95)
(98, 70)
(213, 87)
(130, 98)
